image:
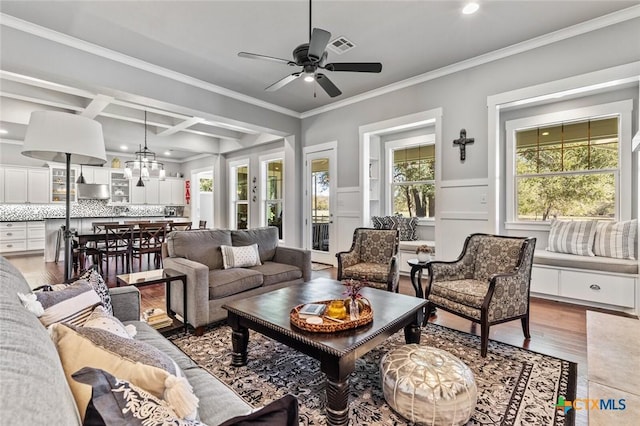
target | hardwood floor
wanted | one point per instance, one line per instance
(557, 329)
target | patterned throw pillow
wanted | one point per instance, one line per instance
(72, 305)
(572, 237)
(240, 257)
(383, 222)
(406, 227)
(101, 319)
(136, 361)
(97, 282)
(617, 239)
(119, 402)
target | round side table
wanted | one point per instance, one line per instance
(417, 268)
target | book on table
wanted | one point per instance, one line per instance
(157, 318)
(312, 310)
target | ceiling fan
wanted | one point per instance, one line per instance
(312, 57)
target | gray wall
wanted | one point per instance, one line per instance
(463, 98)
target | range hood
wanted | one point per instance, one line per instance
(93, 191)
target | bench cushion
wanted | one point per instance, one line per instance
(594, 263)
(413, 245)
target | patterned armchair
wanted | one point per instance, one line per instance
(372, 257)
(488, 284)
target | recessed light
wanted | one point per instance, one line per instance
(124, 147)
(470, 8)
(3, 131)
(167, 153)
(545, 133)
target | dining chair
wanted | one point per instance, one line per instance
(148, 239)
(179, 226)
(117, 244)
(202, 224)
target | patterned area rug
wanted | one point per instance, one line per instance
(515, 386)
(315, 266)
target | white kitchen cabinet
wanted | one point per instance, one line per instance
(38, 186)
(59, 183)
(24, 185)
(120, 184)
(177, 192)
(1, 184)
(147, 194)
(35, 235)
(164, 192)
(96, 175)
(21, 236)
(151, 191)
(171, 192)
(15, 184)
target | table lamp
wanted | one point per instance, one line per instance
(63, 137)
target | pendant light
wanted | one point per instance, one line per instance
(145, 159)
(81, 178)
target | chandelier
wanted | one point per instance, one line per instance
(145, 160)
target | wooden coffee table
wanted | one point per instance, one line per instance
(337, 352)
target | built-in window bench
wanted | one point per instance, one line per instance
(407, 250)
(597, 281)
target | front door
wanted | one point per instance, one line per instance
(320, 181)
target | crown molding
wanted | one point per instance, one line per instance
(64, 39)
(534, 43)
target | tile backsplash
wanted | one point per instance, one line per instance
(83, 208)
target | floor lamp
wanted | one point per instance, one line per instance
(63, 137)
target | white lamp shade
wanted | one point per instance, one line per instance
(53, 134)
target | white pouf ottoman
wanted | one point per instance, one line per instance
(428, 385)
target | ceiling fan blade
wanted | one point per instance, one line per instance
(283, 82)
(354, 66)
(265, 58)
(318, 43)
(327, 85)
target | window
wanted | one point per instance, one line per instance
(273, 194)
(239, 189)
(569, 169)
(411, 176)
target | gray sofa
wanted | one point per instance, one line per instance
(197, 254)
(33, 388)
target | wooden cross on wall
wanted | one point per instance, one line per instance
(462, 142)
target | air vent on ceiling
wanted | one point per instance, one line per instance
(340, 45)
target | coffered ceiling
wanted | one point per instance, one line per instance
(201, 39)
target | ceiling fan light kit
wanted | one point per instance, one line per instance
(311, 57)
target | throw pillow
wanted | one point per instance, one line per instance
(71, 305)
(240, 257)
(617, 239)
(572, 237)
(101, 319)
(383, 222)
(282, 412)
(97, 282)
(132, 360)
(406, 226)
(119, 402)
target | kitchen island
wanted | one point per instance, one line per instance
(82, 225)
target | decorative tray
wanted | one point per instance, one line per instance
(328, 325)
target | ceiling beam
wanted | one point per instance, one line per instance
(96, 106)
(181, 126)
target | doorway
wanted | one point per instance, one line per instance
(320, 190)
(202, 196)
